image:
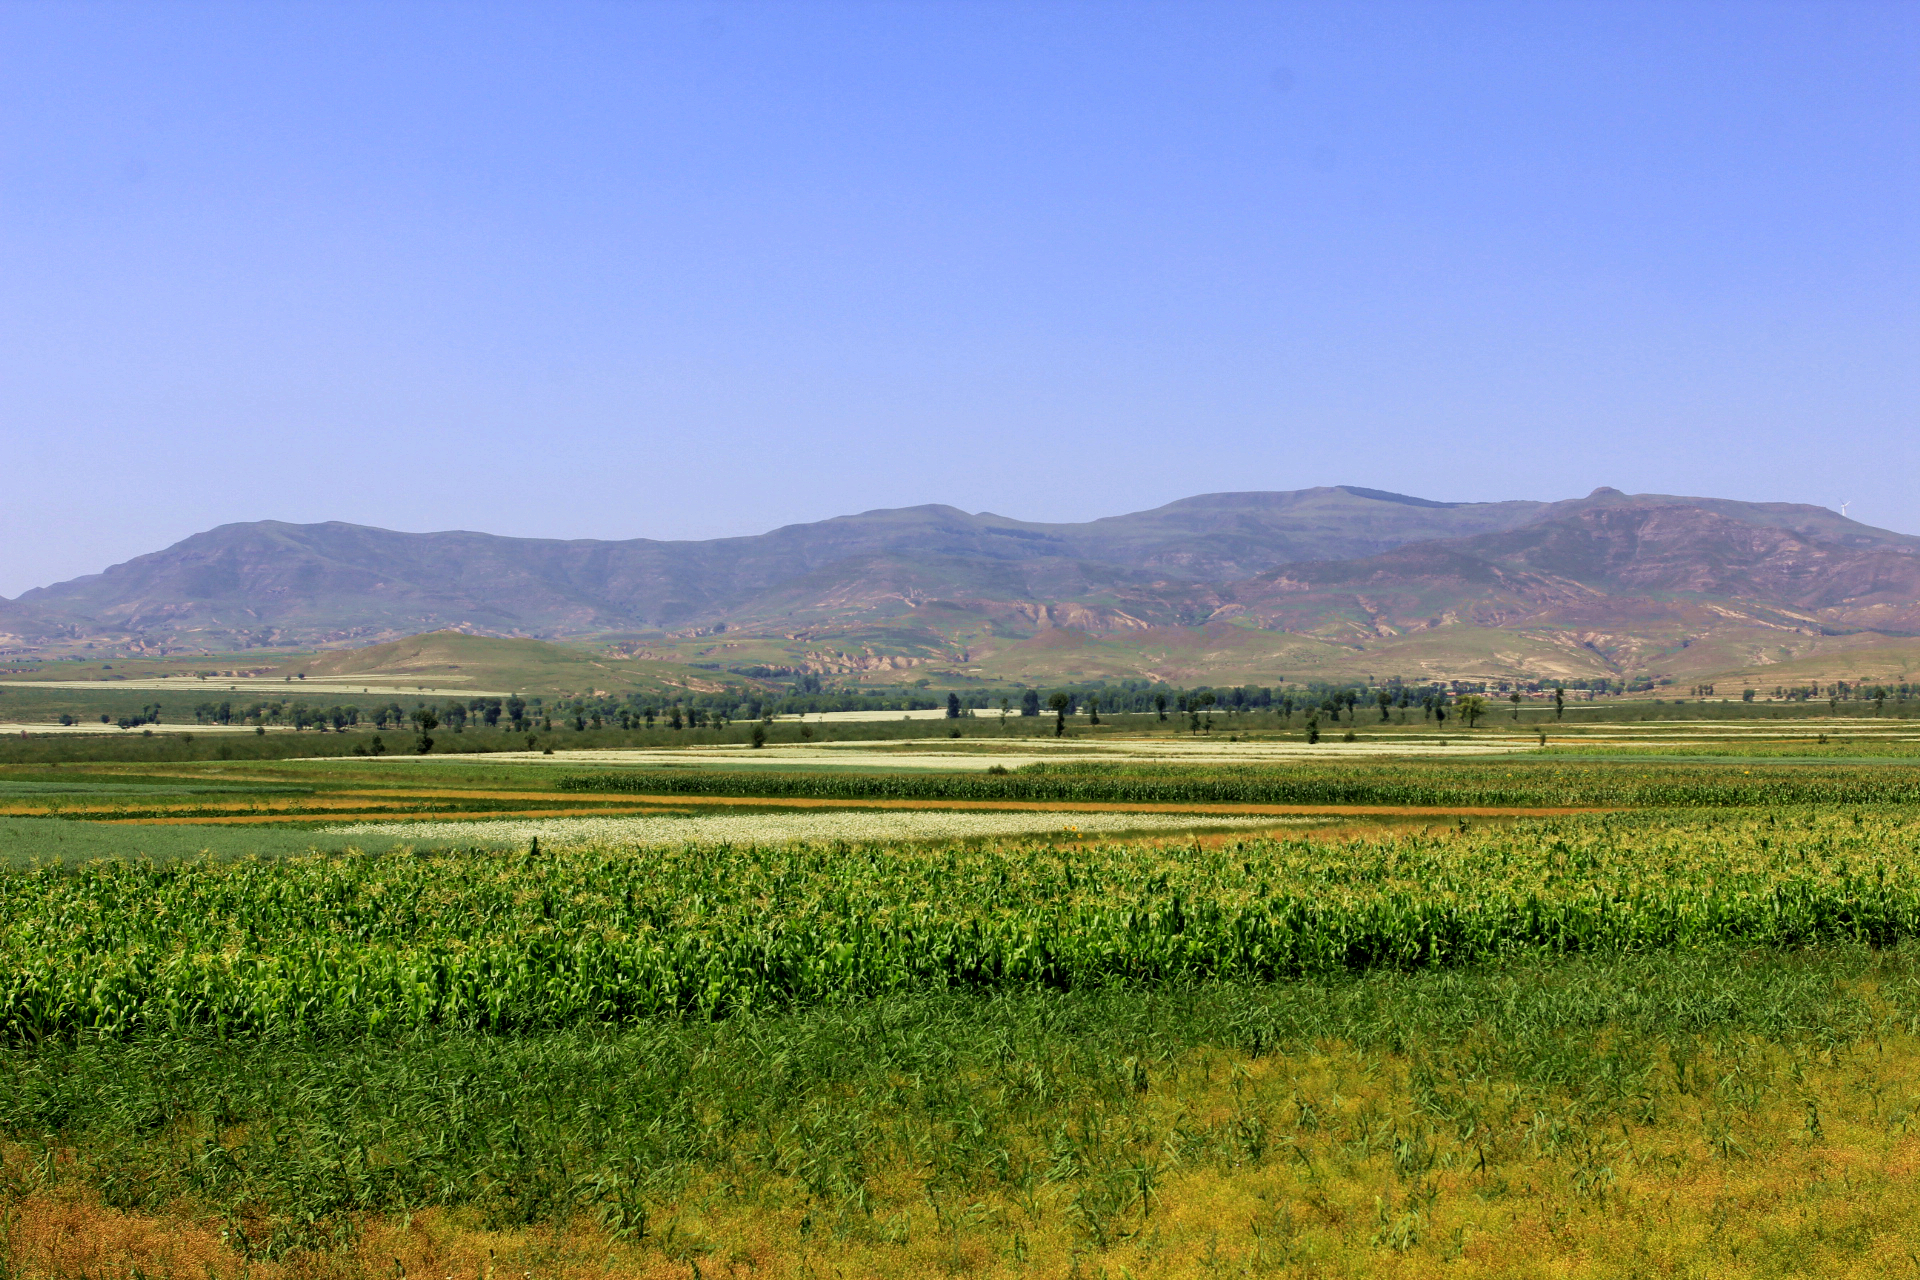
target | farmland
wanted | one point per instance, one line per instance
(1157, 1011)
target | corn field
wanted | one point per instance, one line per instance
(1508, 783)
(490, 942)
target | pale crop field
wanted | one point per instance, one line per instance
(33, 728)
(811, 827)
(984, 755)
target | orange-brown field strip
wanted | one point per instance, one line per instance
(441, 815)
(1115, 806)
(340, 806)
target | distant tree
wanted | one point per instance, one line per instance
(1205, 701)
(1160, 704)
(1030, 702)
(1472, 707)
(1746, 695)
(1313, 726)
(1514, 698)
(759, 734)
(953, 706)
(1059, 702)
(1093, 708)
(1559, 701)
(673, 716)
(1385, 699)
(427, 721)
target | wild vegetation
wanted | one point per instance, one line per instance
(1678, 1036)
(1702, 1112)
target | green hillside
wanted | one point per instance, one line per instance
(452, 659)
(1861, 659)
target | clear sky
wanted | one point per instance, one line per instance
(687, 270)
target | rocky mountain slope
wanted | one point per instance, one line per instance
(270, 582)
(1611, 581)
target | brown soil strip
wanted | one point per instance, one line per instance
(291, 807)
(548, 796)
(637, 805)
(1122, 806)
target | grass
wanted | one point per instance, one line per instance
(1841, 750)
(1715, 1112)
(26, 842)
(440, 659)
(1671, 1041)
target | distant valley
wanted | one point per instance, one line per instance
(1327, 583)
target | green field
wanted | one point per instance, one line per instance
(367, 943)
(25, 842)
(1674, 1029)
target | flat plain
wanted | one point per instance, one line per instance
(1640, 1001)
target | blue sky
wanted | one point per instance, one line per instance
(676, 271)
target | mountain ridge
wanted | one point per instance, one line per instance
(1342, 567)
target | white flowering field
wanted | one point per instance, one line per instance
(812, 826)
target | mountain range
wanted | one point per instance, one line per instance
(1335, 579)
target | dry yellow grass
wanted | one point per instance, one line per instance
(1750, 1161)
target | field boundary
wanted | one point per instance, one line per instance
(643, 805)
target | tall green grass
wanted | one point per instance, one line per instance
(982, 1095)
